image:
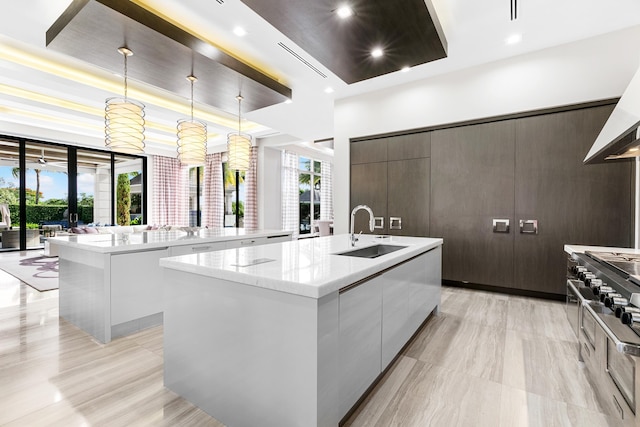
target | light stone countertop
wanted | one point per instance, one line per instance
(128, 242)
(307, 267)
(580, 249)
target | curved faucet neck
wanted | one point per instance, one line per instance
(353, 217)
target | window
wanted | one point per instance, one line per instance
(234, 197)
(129, 192)
(196, 181)
(309, 180)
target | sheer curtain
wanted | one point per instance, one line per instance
(213, 192)
(290, 193)
(171, 192)
(251, 188)
(326, 191)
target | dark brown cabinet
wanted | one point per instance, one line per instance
(572, 202)
(472, 182)
(525, 169)
(391, 176)
(452, 183)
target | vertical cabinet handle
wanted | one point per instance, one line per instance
(379, 222)
(395, 223)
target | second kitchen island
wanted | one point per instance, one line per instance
(293, 333)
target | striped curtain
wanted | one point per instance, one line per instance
(326, 191)
(171, 192)
(290, 193)
(251, 196)
(213, 192)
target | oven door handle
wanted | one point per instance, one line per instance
(621, 346)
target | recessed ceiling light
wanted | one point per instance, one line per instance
(288, 101)
(513, 39)
(328, 90)
(406, 69)
(344, 11)
(377, 52)
(239, 31)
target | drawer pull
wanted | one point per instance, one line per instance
(200, 248)
(395, 223)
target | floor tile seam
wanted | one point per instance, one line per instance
(112, 389)
(458, 371)
(91, 363)
(581, 407)
(542, 335)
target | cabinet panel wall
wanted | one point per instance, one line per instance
(369, 151)
(408, 196)
(392, 176)
(573, 202)
(472, 182)
(413, 146)
(369, 187)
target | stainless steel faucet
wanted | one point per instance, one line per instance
(372, 221)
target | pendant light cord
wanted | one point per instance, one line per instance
(192, 80)
(125, 77)
(239, 97)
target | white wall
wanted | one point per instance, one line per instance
(269, 188)
(588, 70)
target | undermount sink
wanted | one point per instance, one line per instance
(372, 251)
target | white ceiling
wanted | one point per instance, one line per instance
(475, 32)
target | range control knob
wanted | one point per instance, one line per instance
(593, 282)
(614, 301)
(602, 289)
(576, 269)
(630, 318)
(626, 309)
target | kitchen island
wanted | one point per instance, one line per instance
(111, 284)
(294, 333)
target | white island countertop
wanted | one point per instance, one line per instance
(306, 267)
(580, 249)
(127, 242)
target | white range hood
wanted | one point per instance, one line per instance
(619, 136)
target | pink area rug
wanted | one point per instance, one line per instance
(38, 271)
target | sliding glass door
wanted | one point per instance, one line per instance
(46, 188)
(46, 191)
(9, 193)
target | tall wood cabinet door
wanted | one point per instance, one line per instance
(369, 187)
(408, 194)
(572, 202)
(472, 182)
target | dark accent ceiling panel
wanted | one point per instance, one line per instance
(163, 55)
(404, 29)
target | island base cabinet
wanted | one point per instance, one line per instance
(410, 292)
(378, 316)
(250, 356)
(360, 329)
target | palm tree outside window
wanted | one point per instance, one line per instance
(309, 179)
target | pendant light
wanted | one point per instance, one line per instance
(124, 119)
(192, 137)
(238, 146)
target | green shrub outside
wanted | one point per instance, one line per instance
(38, 214)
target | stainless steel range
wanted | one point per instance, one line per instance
(603, 308)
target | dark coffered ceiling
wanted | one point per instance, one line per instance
(164, 55)
(405, 30)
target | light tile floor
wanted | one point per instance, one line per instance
(486, 360)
